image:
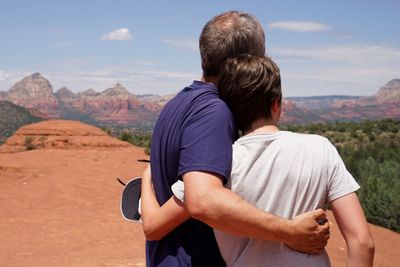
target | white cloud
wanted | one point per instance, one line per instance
(337, 69)
(3, 75)
(187, 44)
(357, 54)
(299, 26)
(352, 69)
(122, 34)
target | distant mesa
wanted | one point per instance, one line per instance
(390, 93)
(384, 104)
(60, 134)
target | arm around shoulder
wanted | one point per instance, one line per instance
(158, 221)
(354, 228)
(206, 199)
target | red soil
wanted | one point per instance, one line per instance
(59, 204)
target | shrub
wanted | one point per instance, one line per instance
(28, 143)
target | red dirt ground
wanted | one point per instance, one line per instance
(59, 204)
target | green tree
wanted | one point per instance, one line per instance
(380, 194)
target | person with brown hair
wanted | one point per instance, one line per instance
(282, 172)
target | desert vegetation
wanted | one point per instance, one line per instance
(371, 152)
(135, 137)
(29, 143)
(13, 117)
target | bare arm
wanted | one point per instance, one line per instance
(159, 221)
(207, 200)
(354, 228)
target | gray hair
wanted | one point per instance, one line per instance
(229, 35)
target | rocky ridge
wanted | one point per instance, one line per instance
(116, 106)
(60, 134)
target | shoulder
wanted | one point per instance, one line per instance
(201, 95)
(197, 99)
(307, 139)
(207, 104)
(312, 145)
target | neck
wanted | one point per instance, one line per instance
(212, 79)
(262, 126)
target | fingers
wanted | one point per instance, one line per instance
(325, 226)
(320, 247)
(318, 214)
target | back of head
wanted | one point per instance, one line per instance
(249, 84)
(229, 35)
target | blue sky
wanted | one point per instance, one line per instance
(322, 47)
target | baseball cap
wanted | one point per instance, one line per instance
(130, 200)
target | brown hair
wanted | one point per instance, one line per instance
(249, 84)
(228, 35)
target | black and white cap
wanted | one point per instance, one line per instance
(130, 200)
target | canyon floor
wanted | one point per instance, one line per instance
(59, 202)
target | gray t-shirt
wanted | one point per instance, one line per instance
(286, 174)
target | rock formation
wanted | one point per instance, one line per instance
(60, 134)
(35, 92)
(116, 106)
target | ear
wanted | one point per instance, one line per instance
(276, 106)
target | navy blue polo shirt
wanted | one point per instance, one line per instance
(194, 132)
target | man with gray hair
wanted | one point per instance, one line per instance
(192, 141)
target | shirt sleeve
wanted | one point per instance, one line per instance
(341, 182)
(178, 188)
(207, 141)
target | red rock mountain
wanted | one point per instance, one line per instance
(35, 93)
(117, 106)
(384, 104)
(113, 106)
(390, 93)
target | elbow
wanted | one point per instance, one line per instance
(195, 209)
(150, 232)
(370, 246)
(365, 244)
(198, 207)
